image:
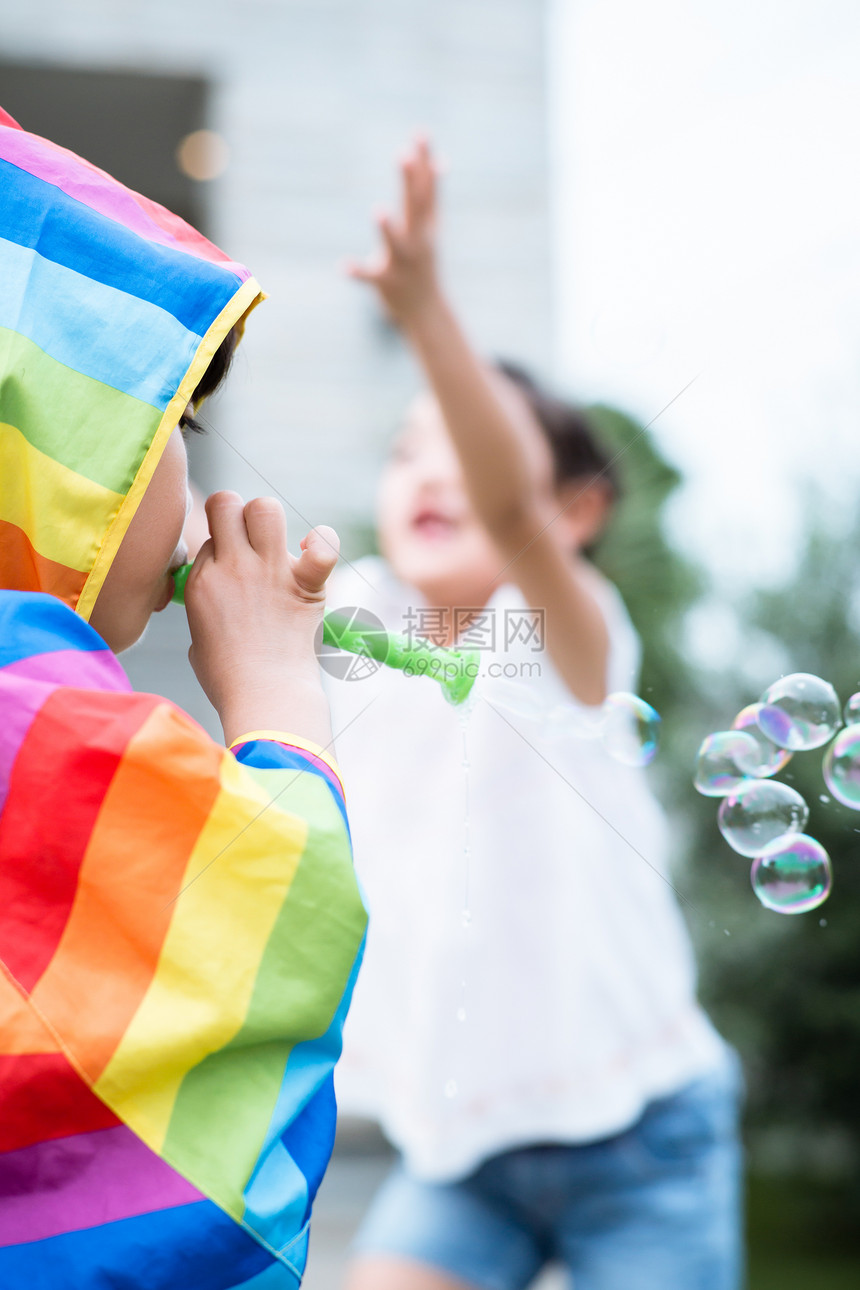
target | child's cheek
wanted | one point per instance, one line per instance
(391, 510)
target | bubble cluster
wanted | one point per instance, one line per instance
(800, 712)
(764, 819)
(772, 757)
(626, 726)
(724, 761)
(793, 875)
(758, 813)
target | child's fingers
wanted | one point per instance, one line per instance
(411, 194)
(203, 556)
(370, 271)
(266, 524)
(426, 174)
(423, 159)
(320, 550)
(388, 233)
(225, 514)
(432, 190)
(419, 193)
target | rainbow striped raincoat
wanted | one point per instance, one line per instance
(180, 925)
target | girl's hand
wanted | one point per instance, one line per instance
(254, 611)
(404, 270)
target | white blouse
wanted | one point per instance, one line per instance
(528, 976)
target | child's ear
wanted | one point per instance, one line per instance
(586, 509)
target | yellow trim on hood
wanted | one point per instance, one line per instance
(233, 314)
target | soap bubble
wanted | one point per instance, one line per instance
(630, 729)
(800, 712)
(568, 721)
(841, 768)
(851, 712)
(758, 812)
(772, 757)
(724, 761)
(516, 699)
(792, 875)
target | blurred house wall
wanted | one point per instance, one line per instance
(315, 98)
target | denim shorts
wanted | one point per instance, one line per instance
(655, 1208)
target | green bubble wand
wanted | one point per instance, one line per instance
(454, 669)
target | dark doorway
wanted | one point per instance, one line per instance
(128, 123)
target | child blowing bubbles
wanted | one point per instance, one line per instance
(526, 1027)
(179, 923)
(243, 574)
(253, 608)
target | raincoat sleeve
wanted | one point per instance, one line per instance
(180, 929)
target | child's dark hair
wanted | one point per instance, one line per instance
(577, 452)
(211, 379)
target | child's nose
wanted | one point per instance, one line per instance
(442, 467)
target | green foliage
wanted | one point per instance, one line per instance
(802, 1236)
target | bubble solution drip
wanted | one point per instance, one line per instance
(466, 911)
(793, 875)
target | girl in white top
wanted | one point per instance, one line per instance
(528, 985)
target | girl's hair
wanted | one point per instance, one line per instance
(577, 452)
(210, 380)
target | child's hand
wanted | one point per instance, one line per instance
(404, 271)
(254, 610)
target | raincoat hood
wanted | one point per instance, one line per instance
(110, 313)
